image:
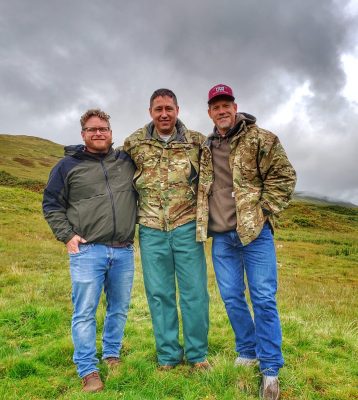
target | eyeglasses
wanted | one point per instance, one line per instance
(101, 129)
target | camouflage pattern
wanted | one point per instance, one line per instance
(167, 175)
(263, 181)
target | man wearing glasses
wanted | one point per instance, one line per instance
(90, 205)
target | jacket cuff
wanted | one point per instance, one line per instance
(266, 212)
(266, 209)
(68, 238)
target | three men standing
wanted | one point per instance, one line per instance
(166, 155)
(245, 179)
(90, 205)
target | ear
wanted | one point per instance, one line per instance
(235, 107)
(83, 135)
(209, 112)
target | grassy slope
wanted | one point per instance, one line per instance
(28, 157)
(318, 259)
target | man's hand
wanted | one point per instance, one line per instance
(72, 245)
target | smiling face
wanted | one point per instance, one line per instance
(97, 141)
(223, 113)
(164, 112)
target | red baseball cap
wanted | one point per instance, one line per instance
(220, 90)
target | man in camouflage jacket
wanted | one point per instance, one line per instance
(166, 155)
(245, 180)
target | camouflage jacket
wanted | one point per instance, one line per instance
(166, 177)
(263, 180)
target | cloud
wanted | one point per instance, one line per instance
(58, 59)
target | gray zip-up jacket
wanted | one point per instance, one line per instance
(91, 196)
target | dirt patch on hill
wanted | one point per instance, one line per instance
(24, 161)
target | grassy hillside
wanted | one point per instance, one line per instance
(317, 253)
(27, 158)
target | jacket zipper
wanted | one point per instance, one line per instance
(112, 201)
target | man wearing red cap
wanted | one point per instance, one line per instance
(245, 180)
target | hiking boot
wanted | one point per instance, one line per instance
(270, 388)
(112, 362)
(92, 382)
(245, 362)
(202, 365)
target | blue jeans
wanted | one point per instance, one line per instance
(94, 268)
(261, 339)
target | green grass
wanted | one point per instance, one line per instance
(317, 265)
(317, 301)
(27, 158)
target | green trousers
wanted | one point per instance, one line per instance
(167, 258)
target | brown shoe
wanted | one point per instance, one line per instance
(202, 365)
(112, 362)
(92, 382)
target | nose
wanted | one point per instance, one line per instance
(98, 134)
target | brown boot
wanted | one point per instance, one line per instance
(112, 362)
(202, 365)
(92, 382)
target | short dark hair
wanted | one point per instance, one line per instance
(162, 93)
(94, 112)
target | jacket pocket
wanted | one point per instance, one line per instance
(96, 219)
(250, 220)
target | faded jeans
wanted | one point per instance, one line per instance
(95, 268)
(260, 337)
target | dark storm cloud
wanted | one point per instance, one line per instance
(59, 58)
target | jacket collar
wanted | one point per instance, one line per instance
(79, 151)
(180, 132)
(242, 120)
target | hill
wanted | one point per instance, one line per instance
(320, 199)
(27, 159)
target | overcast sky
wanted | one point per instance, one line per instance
(293, 64)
